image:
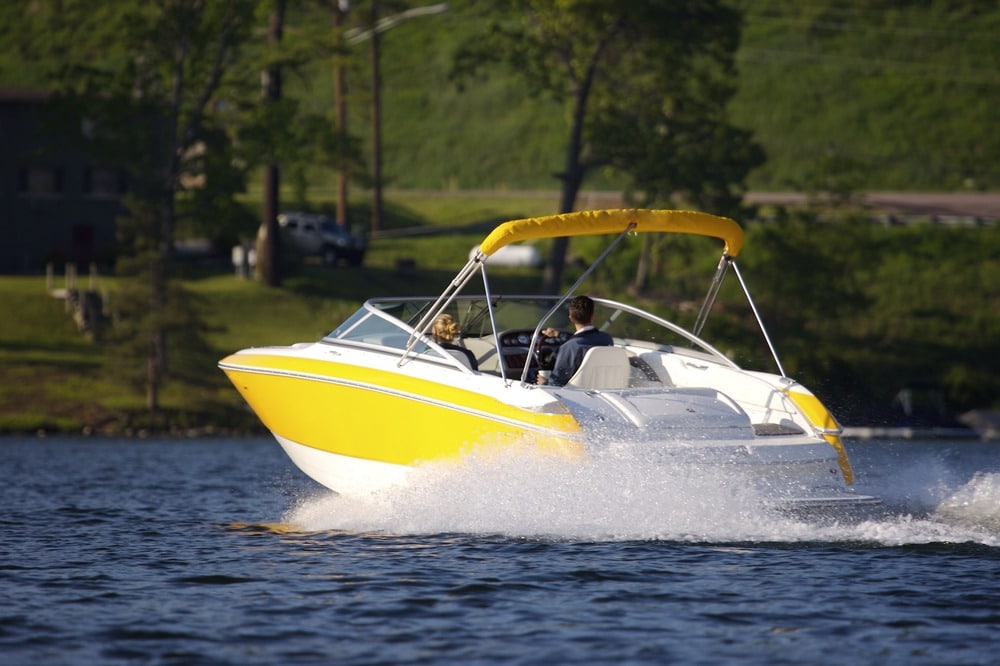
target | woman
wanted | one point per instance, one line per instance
(444, 331)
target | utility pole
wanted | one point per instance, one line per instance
(378, 26)
(376, 124)
(340, 101)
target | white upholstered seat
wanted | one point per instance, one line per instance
(602, 368)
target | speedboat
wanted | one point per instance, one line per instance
(379, 396)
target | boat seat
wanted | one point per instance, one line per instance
(603, 368)
(461, 356)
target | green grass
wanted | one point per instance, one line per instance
(36, 327)
(903, 93)
(55, 379)
(458, 209)
(910, 303)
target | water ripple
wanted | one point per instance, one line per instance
(216, 552)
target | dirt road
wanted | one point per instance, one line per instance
(983, 205)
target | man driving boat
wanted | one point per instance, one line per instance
(571, 353)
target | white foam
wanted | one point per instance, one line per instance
(974, 504)
(527, 495)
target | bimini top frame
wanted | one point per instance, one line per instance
(596, 223)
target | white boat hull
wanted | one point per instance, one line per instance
(347, 474)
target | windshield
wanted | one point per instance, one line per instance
(389, 322)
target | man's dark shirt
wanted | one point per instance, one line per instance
(571, 353)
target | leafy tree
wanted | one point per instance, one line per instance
(859, 310)
(682, 150)
(327, 139)
(152, 79)
(626, 72)
(269, 240)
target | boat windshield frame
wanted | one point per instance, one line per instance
(480, 309)
(621, 222)
(394, 334)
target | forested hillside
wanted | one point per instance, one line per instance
(867, 95)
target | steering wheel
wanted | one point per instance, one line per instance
(513, 339)
(547, 346)
(547, 341)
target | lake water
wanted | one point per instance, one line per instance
(218, 551)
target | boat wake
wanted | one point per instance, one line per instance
(976, 504)
(625, 499)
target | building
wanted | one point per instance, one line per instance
(56, 204)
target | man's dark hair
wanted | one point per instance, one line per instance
(581, 310)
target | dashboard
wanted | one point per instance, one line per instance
(515, 346)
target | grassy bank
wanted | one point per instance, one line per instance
(56, 379)
(857, 310)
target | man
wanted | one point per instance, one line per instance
(571, 353)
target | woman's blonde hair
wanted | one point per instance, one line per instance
(445, 328)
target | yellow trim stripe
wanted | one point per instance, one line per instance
(399, 394)
(827, 426)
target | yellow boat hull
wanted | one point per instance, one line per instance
(347, 414)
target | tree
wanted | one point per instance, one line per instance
(152, 80)
(684, 149)
(377, 24)
(608, 62)
(282, 130)
(268, 238)
(319, 139)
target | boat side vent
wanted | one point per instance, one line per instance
(773, 429)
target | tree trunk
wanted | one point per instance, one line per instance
(557, 255)
(268, 245)
(642, 267)
(268, 270)
(573, 173)
(572, 178)
(156, 361)
(153, 373)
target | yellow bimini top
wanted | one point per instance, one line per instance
(597, 222)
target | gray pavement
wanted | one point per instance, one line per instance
(984, 205)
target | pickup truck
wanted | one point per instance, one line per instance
(318, 235)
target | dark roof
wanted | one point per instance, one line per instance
(24, 95)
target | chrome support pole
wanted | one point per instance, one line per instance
(443, 301)
(713, 294)
(760, 322)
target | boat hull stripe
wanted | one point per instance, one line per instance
(523, 425)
